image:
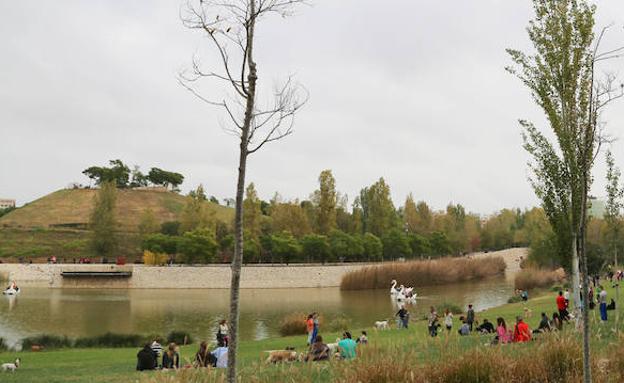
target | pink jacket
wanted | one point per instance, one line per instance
(503, 335)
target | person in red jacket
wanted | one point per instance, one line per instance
(521, 331)
(562, 306)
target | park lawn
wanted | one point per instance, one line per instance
(117, 365)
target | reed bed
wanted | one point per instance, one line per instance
(423, 273)
(531, 278)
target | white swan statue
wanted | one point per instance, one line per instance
(393, 289)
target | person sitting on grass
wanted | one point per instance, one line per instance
(204, 358)
(318, 351)
(171, 357)
(521, 331)
(157, 348)
(146, 359)
(486, 327)
(221, 355)
(347, 346)
(544, 325)
(502, 334)
(465, 327)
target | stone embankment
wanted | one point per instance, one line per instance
(197, 277)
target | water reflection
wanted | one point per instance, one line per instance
(87, 312)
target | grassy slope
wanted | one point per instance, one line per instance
(117, 365)
(26, 232)
(74, 206)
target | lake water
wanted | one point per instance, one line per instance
(86, 312)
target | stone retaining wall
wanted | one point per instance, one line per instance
(187, 277)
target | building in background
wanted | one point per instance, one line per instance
(6, 203)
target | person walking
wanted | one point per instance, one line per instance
(562, 307)
(310, 328)
(315, 328)
(433, 322)
(470, 316)
(403, 315)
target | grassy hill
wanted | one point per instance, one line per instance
(55, 224)
(71, 208)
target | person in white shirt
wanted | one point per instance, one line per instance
(602, 299)
(221, 353)
(448, 320)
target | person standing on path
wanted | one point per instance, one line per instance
(433, 322)
(602, 298)
(470, 316)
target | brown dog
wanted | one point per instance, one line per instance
(279, 356)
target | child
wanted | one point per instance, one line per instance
(363, 339)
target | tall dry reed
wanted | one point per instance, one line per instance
(423, 273)
(531, 278)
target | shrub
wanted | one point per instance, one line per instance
(293, 324)
(420, 273)
(527, 279)
(3, 345)
(47, 341)
(514, 299)
(111, 340)
(452, 307)
(154, 259)
(179, 337)
(198, 246)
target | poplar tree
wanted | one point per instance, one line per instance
(326, 201)
(104, 241)
(560, 76)
(251, 212)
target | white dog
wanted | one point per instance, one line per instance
(333, 347)
(11, 366)
(382, 325)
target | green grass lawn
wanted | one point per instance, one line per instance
(117, 365)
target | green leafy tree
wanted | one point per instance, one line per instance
(138, 178)
(160, 243)
(285, 247)
(420, 245)
(396, 245)
(345, 247)
(170, 228)
(410, 215)
(165, 178)
(290, 217)
(118, 173)
(325, 200)
(379, 213)
(439, 244)
(373, 247)
(561, 78)
(104, 241)
(252, 213)
(196, 213)
(197, 246)
(315, 247)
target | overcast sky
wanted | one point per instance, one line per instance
(412, 91)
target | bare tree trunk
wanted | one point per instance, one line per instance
(576, 281)
(587, 378)
(237, 260)
(617, 293)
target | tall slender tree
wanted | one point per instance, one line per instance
(326, 200)
(230, 27)
(560, 76)
(103, 224)
(613, 217)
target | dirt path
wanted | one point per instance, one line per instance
(512, 258)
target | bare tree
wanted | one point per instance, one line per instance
(230, 26)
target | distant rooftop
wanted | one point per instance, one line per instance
(6, 203)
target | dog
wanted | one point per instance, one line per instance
(10, 366)
(278, 356)
(382, 325)
(333, 347)
(527, 312)
(36, 347)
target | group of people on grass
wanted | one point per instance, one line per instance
(319, 351)
(148, 357)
